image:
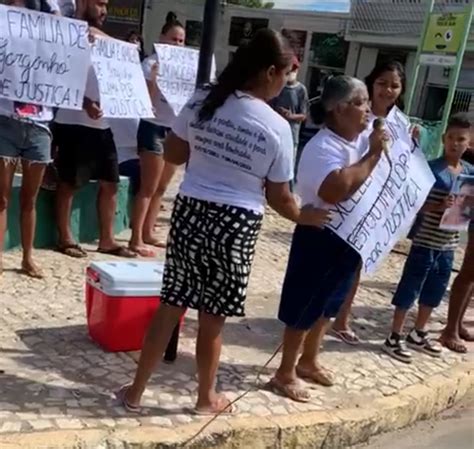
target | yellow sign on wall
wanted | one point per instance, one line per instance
(444, 33)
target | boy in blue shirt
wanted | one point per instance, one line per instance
(428, 267)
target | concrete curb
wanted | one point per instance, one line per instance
(336, 429)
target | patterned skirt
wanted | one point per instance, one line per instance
(209, 256)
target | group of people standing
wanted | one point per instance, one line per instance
(83, 145)
(239, 156)
(218, 213)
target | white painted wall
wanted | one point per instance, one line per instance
(156, 12)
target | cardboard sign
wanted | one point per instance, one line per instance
(458, 217)
(384, 208)
(122, 85)
(43, 58)
(177, 73)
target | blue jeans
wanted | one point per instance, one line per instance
(150, 137)
(24, 139)
(425, 276)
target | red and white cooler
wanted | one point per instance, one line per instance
(121, 299)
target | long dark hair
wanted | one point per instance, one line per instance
(267, 48)
(171, 22)
(379, 70)
(142, 52)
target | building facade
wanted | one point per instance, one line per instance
(317, 38)
(379, 29)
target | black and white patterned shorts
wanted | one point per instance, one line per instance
(209, 256)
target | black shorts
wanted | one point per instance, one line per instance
(85, 153)
(209, 256)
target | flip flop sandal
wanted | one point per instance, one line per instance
(156, 243)
(349, 337)
(144, 252)
(119, 251)
(230, 409)
(72, 250)
(454, 346)
(292, 391)
(321, 377)
(121, 396)
(34, 274)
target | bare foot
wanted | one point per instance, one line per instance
(453, 343)
(154, 242)
(465, 334)
(32, 270)
(142, 250)
(219, 405)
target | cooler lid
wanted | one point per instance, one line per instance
(129, 278)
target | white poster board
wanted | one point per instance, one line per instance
(122, 85)
(177, 73)
(43, 58)
(384, 208)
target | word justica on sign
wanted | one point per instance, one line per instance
(25, 24)
(393, 223)
(30, 64)
(40, 93)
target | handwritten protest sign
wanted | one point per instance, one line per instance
(43, 58)
(178, 67)
(457, 217)
(122, 85)
(177, 74)
(384, 208)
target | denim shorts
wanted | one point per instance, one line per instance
(150, 137)
(425, 276)
(21, 139)
(321, 272)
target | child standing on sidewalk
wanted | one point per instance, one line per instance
(428, 266)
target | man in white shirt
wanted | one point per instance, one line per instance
(86, 150)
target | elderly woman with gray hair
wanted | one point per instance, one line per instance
(322, 267)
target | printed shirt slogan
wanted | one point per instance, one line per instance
(384, 208)
(122, 85)
(177, 74)
(43, 58)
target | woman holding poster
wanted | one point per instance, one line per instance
(322, 267)
(238, 152)
(386, 85)
(155, 174)
(24, 137)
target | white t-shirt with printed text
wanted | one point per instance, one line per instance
(325, 153)
(231, 155)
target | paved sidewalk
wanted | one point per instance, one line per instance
(54, 378)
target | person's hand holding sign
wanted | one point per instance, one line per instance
(93, 109)
(448, 202)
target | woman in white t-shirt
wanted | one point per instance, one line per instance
(239, 153)
(150, 137)
(322, 267)
(386, 85)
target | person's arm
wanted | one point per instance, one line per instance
(176, 150)
(341, 184)
(436, 206)
(282, 201)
